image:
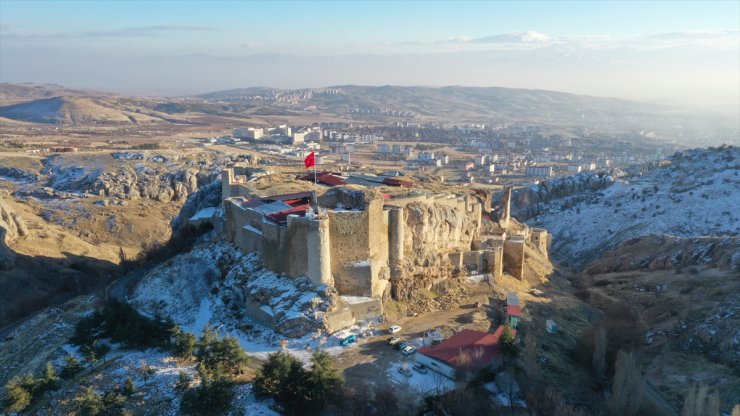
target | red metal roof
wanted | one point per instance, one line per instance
(331, 180)
(513, 310)
(466, 340)
(398, 182)
(282, 216)
(326, 178)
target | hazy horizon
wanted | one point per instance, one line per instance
(678, 53)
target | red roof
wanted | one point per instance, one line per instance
(466, 340)
(326, 178)
(282, 216)
(513, 310)
(398, 182)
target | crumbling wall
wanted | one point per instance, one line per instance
(336, 320)
(378, 247)
(431, 233)
(350, 263)
(514, 257)
(371, 308)
(541, 239)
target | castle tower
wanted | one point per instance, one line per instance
(505, 208)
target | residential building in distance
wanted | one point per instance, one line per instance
(543, 171)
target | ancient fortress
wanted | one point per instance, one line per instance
(368, 245)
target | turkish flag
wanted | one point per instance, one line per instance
(310, 160)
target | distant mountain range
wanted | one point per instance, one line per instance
(366, 104)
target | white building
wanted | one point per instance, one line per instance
(544, 171)
(299, 137)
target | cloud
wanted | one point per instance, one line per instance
(512, 38)
(530, 40)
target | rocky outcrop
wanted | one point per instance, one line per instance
(11, 227)
(526, 202)
(133, 183)
(205, 197)
(431, 232)
(657, 252)
(18, 174)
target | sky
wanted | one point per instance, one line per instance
(667, 52)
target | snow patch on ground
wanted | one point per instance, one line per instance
(207, 286)
(427, 384)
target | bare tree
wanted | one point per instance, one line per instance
(529, 357)
(599, 358)
(700, 402)
(627, 385)
(468, 361)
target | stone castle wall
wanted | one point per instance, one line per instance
(360, 243)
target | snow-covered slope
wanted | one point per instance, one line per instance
(207, 286)
(694, 193)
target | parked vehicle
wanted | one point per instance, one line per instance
(405, 371)
(420, 368)
(401, 345)
(393, 329)
(349, 340)
(394, 340)
(408, 350)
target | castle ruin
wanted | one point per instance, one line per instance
(367, 244)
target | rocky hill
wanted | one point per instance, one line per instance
(78, 110)
(67, 221)
(692, 194)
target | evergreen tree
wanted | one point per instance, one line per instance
(71, 367)
(113, 402)
(324, 382)
(90, 354)
(128, 388)
(50, 380)
(184, 343)
(212, 397)
(89, 402)
(507, 341)
(183, 382)
(220, 356)
(271, 378)
(17, 396)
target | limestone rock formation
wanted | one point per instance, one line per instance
(431, 232)
(208, 196)
(133, 183)
(18, 174)
(525, 202)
